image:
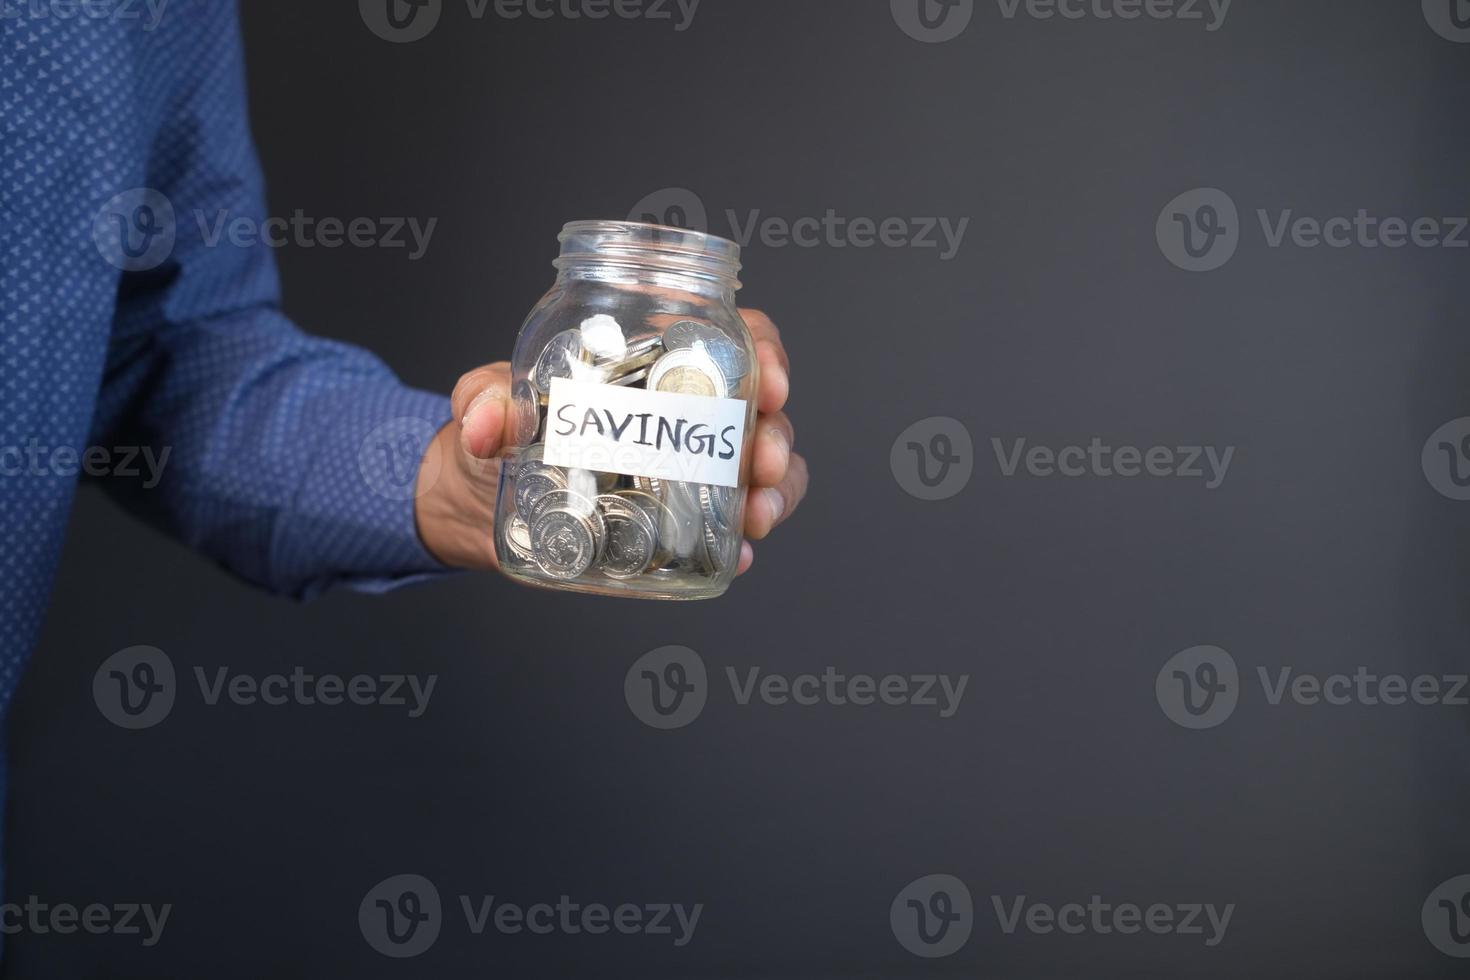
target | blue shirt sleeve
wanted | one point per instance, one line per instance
(291, 459)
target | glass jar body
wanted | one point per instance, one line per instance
(633, 409)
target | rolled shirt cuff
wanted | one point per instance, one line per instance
(353, 523)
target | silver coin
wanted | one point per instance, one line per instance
(562, 499)
(534, 482)
(688, 372)
(646, 350)
(730, 355)
(611, 372)
(528, 459)
(649, 485)
(683, 500)
(645, 345)
(518, 542)
(632, 538)
(686, 333)
(629, 380)
(526, 410)
(657, 513)
(673, 578)
(706, 556)
(534, 453)
(716, 549)
(733, 365)
(646, 502)
(563, 357)
(718, 505)
(686, 568)
(566, 543)
(682, 494)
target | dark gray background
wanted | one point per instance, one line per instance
(1060, 777)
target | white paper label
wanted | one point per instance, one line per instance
(637, 432)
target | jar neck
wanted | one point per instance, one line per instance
(628, 253)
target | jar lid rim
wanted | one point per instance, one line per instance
(611, 226)
(664, 247)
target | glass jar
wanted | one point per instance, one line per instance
(633, 409)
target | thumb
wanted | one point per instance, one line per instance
(480, 404)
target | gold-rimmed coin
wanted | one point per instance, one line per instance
(687, 372)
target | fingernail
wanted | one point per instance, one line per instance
(777, 502)
(780, 436)
(480, 399)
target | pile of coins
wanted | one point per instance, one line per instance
(569, 523)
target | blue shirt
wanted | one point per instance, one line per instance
(144, 353)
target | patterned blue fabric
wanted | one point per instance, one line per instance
(291, 459)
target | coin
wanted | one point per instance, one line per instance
(733, 364)
(649, 485)
(645, 345)
(528, 459)
(650, 504)
(693, 533)
(611, 372)
(518, 542)
(717, 504)
(636, 378)
(716, 549)
(563, 357)
(672, 578)
(632, 538)
(526, 410)
(657, 515)
(730, 356)
(533, 453)
(687, 372)
(687, 381)
(534, 482)
(562, 499)
(566, 543)
(686, 333)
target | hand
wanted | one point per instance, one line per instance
(460, 473)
